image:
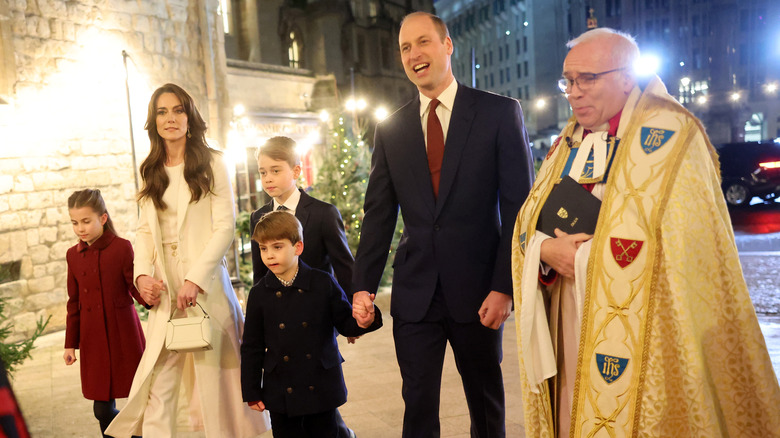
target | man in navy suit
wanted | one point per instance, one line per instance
(452, 280)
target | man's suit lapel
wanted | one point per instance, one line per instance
(415, 155)
(457, 136)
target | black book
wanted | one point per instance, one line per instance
(571, 208)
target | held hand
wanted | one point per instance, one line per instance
(363, 308)
(495, 309)
(188, 295)
(559, 251)
(352, 339)
(366, 322)
(150, 289)
(257, 406)
(69, 356)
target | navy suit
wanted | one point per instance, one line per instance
(325, 244)
(454, 250)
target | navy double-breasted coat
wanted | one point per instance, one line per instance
(289, 356)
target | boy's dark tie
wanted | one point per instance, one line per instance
(281, 208)
(435, 146)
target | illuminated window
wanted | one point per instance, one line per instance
(294, 51)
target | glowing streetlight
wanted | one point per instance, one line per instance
(771, 87)
(701, 100)
(381, 113)
(734, 96)
(646, 65)
(685, 81)
(356, 104)
(239, 110)
(540, 103)
(324, 116)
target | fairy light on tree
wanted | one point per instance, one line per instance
(342, 176)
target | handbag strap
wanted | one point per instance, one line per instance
(201, 309)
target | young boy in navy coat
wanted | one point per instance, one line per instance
(290, 362)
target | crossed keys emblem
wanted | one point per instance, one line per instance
(625, 251)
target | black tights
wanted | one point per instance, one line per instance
(105, 411)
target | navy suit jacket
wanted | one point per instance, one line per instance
(325, 244)
(462, 238)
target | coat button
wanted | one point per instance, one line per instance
(286, 358)
(300, 291)
(289, 390)
(311, 388)
(174, 246)
(436, 227)
(308, 356)
(278, 294)
(305, 324)
(281, 326)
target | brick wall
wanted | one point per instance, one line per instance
(66, 125)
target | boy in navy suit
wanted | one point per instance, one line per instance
(290, 362)
(326, 242)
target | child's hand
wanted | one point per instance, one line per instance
(150, 289)
(257, 406)
(69, 356)
(362, 304)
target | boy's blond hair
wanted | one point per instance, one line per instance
(282, 149)
(278, 225)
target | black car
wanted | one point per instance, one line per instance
(750, 169)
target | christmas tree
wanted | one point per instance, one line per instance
(342, 178)
(342, 175)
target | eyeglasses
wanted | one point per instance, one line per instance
(584, 81)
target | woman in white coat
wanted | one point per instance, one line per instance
(186, 226)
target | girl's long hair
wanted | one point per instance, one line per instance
(93, 199)
(197, 154)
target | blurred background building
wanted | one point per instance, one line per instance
(721, 58)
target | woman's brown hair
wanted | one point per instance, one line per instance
(197, 154)
(93, 199)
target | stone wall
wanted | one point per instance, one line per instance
(66, 126)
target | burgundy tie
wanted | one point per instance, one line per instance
(435, 146)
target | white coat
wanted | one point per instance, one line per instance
(206, 231)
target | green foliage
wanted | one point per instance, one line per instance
(342, 179)
(244, 237)
(14, 353)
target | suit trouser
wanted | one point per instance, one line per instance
(160, 416)
(420, 348)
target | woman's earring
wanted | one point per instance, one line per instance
(188, 133)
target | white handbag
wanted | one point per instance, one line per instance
(192, 333)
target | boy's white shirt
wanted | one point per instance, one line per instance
(291, 203)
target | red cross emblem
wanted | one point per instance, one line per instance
(552, 148)
(624, 250)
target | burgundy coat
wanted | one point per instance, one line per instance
(102, 321)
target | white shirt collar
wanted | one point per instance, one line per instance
(292, 202)
(447, 98)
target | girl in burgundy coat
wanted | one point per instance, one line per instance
(102, 321)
